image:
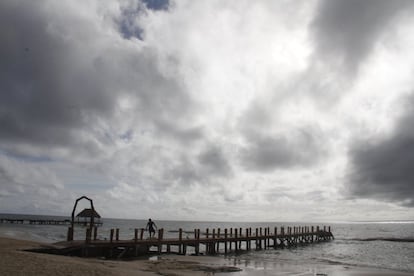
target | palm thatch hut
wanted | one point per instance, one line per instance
(87, 214)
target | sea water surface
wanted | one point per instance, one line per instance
(384, 245)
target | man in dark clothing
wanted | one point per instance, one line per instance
(151, 227)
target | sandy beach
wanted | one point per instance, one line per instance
(15, 261)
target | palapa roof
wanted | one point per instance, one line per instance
(87, 213)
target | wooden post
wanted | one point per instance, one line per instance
(213, 245)
(135, 234)
(225, 241)
(95, 233)
(197, 238)
(312, 233)
(180, 238)
(275, 238)
(111, 236)
(70, 234)
(117, 234)
(231, 237)
(247, 239)
(207, 233)
(88, 234)
(160, 234)
(240, 234)
(236, 236)
(218, 242)
(267, 241)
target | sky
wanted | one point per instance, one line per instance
(208, 110)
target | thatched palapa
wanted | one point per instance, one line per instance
(87, 213)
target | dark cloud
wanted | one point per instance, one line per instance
(383, 168)
(347, 30)
(206, 167)
(214, 162)
(157, 4)
(292, 149)
(60, 76)
(127, 22)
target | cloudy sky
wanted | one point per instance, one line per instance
(208, 110)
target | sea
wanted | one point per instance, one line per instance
(381, 245)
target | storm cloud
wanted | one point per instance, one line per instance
(58, 78)
(381, 167)
(346, 32)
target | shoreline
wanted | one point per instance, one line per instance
(15, 261)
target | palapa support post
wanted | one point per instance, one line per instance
(136, 234)
(95, 233)
(117, 234)
(88, 235)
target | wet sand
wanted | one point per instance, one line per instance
(15, 261)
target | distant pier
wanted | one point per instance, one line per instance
(45, 221)
(210, 242)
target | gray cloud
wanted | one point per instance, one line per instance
(205, 167)
(347, 30)
(294, 149)
(382, 168)
(214, 162)
(59, 77)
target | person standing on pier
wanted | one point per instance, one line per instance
(151, 227)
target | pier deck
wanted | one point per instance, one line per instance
(210, 243)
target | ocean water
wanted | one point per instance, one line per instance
(384, 245)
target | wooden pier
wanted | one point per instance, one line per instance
(45, 221)
(210, 242)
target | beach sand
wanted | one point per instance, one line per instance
(15, 261)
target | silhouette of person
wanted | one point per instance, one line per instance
(151, 227)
